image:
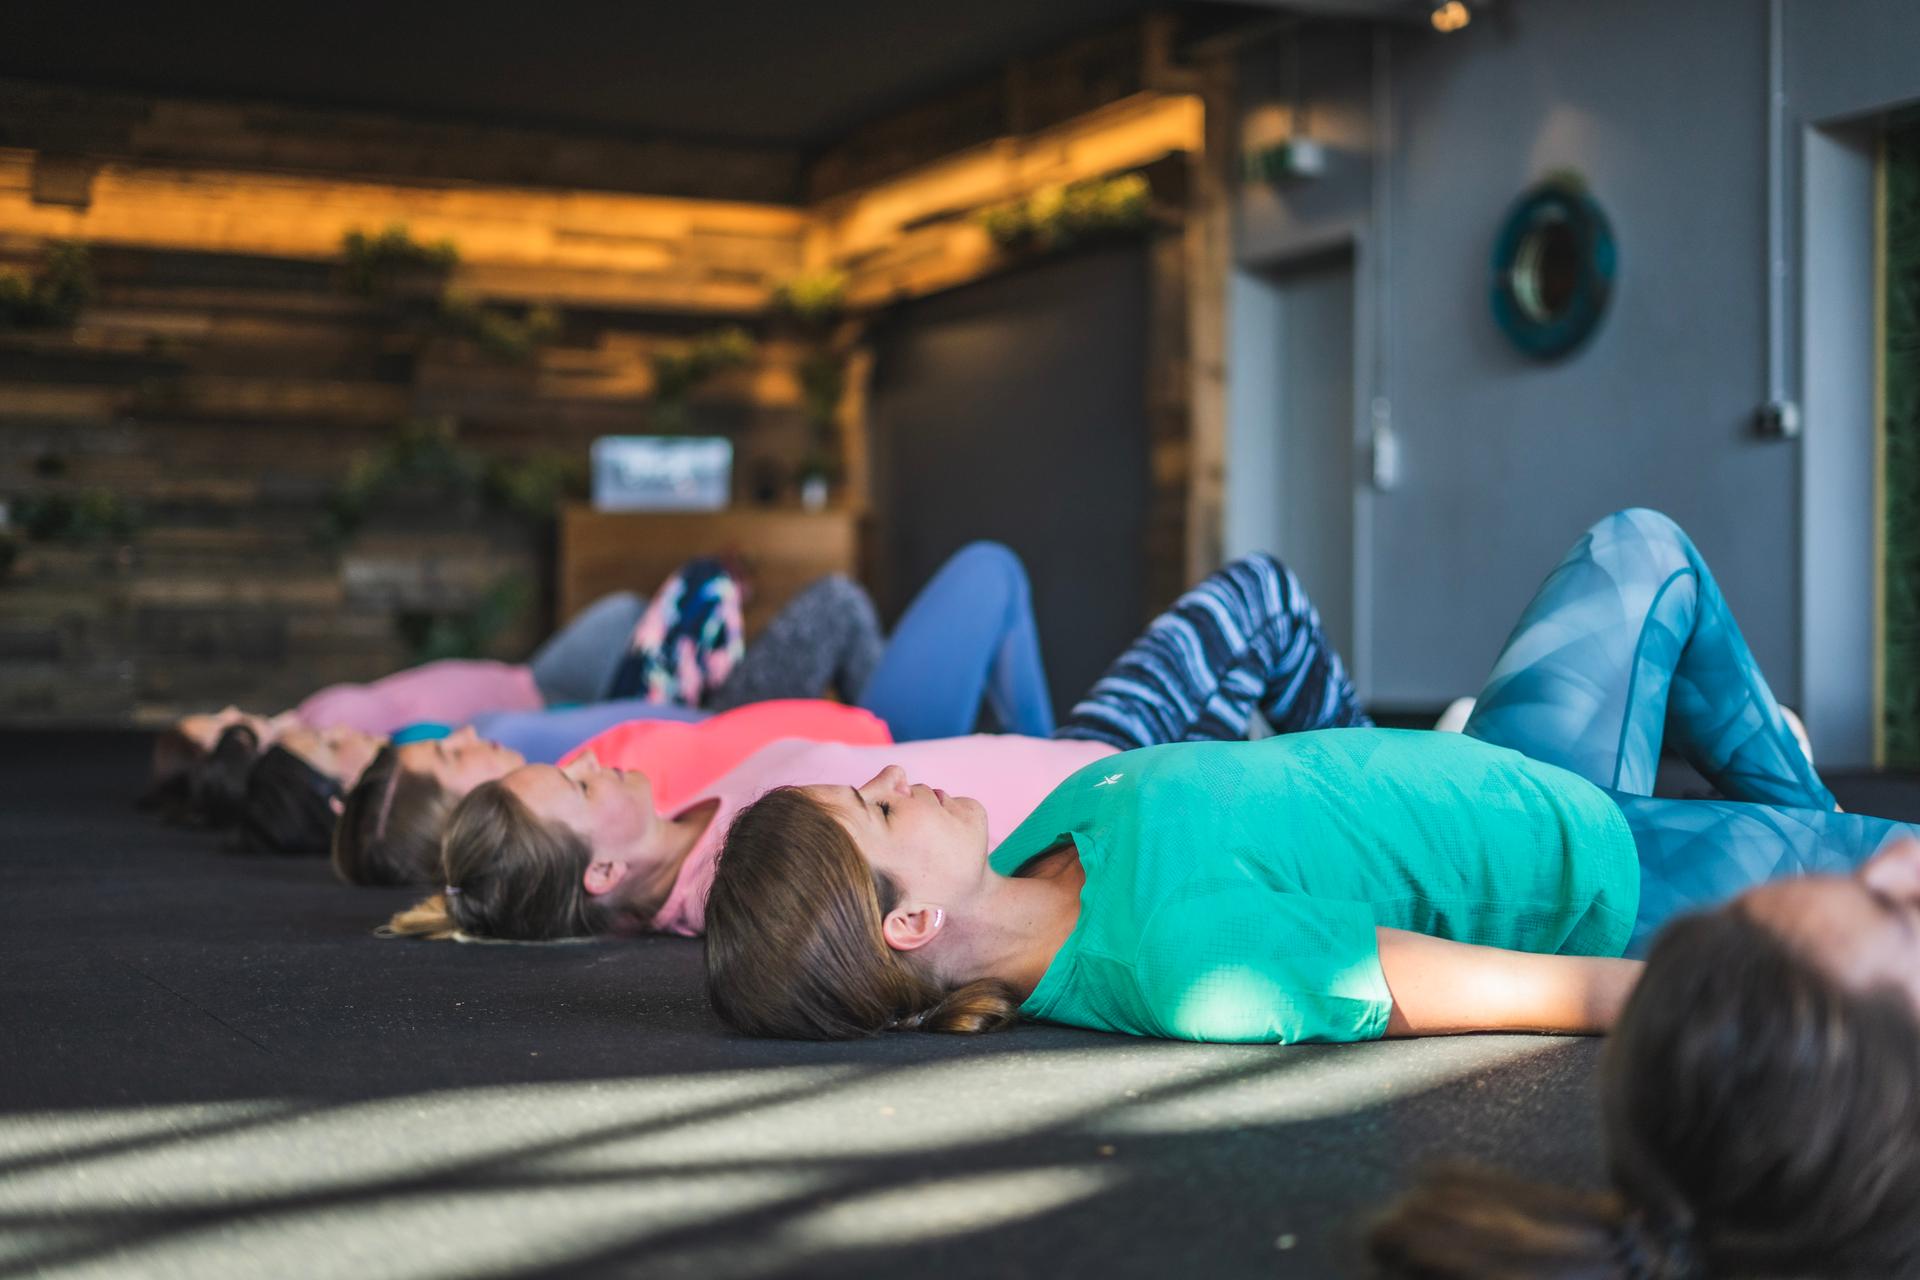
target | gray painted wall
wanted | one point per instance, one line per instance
(1662, 107)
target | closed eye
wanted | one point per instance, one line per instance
(886, 809)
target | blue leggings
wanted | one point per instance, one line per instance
(967, 637)
(1628, 642)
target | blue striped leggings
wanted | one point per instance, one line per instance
(1628, 643)
(1246, 639)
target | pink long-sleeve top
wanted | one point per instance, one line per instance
(1008, 774)
(451, 691)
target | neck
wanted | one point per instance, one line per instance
(657, 867)
(1020, 924)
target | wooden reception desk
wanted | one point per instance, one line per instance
(784, 551)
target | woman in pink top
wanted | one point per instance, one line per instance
(592, 847)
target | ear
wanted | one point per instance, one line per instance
(912, 925)
(1895, 870)
(602, 875)
(336, 804)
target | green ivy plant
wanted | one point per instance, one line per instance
(497, 333)
(425, 458)
(373, 265)
(823, 380)
(814, 300)
(374, 262)
(814, 303)
(681, 367)
(54, 294)
(1058, 217)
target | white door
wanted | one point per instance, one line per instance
(1292, 454)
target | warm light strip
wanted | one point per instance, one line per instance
(579, 246)
(642, 249)
(850, 230)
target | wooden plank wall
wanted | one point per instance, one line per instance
(223, 382)
(272, 137)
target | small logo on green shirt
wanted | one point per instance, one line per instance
(1110, 779)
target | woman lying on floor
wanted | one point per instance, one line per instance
(555, 853)
(967, 641)
(1327, 886)
(687, 667)
(1759, 1102)
(632, 657)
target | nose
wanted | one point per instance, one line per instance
(465, 733)
(892, 779)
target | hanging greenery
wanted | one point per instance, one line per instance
(814, 300)
(424, 462)
(681, 367)
(54, 294)
(823, 380)
(814, 303)
(498, 333)
(376, 265)
(1057, 217)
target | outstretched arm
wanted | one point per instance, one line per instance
(1443, 988)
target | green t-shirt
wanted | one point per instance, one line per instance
(1232, 888)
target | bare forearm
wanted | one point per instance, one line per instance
(1443, 988)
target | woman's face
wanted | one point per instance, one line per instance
(340, 754)
(611, 809)
(205, 730)
(460, 761)
(933, 845)
(1863, 929)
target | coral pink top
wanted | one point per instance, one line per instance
(452, 691)
(680, 758)
(1007, 773)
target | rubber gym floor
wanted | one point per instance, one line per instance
(210, 1066)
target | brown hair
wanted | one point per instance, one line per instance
(508, 874)
(794, 942)
(390, 827)
(1760, 1120)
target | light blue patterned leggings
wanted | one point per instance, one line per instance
(1629, 641)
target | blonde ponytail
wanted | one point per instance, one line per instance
(427, 918)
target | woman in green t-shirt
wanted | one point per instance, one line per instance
(1329, 886)
(1760, 1099)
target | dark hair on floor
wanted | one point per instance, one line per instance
(202, 788)
(288, 806)
(1761, 1120)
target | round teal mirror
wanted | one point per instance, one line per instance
(1553, 268)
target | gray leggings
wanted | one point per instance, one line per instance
(827, 636)
(577, 662)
